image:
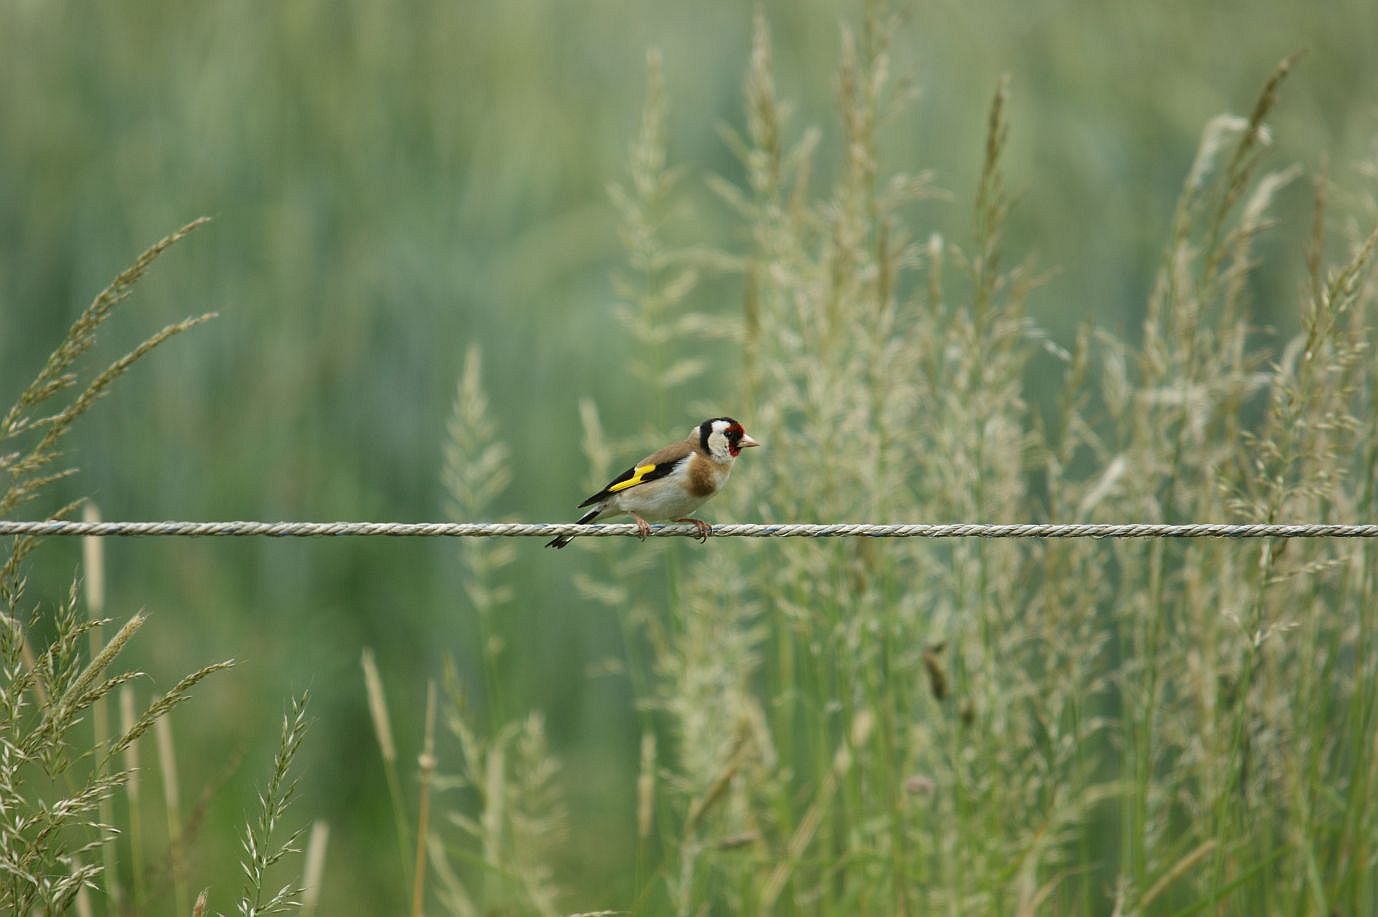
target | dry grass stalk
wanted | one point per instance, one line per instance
(172, 805)
(382, 732)
(312, 876)
(426, 765)
(133, 795)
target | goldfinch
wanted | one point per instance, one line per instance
(673, 482)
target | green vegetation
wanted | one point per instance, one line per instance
(861, 726)
(57, 779)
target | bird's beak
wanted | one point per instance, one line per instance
(746, 441)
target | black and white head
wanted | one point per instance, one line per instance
(723, 439)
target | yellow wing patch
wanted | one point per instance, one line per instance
(638, 474)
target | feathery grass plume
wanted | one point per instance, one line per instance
(29, 469)
(476, 473)
(662, 276)
(44, 839)
(163, 704)
(505, 763)
(50, 799)
(594, 445)
(450, 890)
(650, 291)
(261, 848)
(520, 818)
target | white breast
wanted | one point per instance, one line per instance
(666, 498)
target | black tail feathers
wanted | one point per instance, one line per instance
(559, 541)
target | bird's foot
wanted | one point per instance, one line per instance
(703, 527)
(643, 528)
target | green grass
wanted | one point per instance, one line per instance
(59, 774)
(868, 726)
(883, 727)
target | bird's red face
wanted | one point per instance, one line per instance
(737, 440)
(723, 439)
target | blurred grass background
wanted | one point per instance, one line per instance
(391, 183)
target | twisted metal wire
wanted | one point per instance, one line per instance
(747, 530)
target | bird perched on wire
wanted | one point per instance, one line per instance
(672, 482)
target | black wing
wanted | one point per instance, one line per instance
(634, 477)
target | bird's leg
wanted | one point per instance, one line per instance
(643, 528)
(703, 527)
